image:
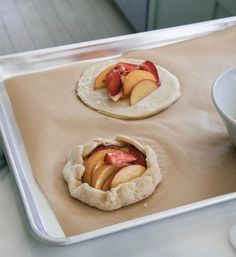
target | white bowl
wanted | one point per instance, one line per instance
(224, 98)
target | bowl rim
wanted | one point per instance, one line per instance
(213, 95)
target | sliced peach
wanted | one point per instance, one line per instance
(119, 158)
(124, 67)
(150, 66)
(115, 98)
(141, 89)
(133, 78)
(114, 85)
(101, 175)
(126, 174)
(99, 164)
(107, 184)
(91, 162)
(141, 158)
(100, 79)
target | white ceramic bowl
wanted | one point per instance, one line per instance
(224, 98)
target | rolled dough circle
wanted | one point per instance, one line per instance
(157, 101)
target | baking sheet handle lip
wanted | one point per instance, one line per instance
(33, 219)
(206, 26)
(59, 241)
(101, 48)
(15, 167)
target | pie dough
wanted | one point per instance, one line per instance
(158, 100)
(121, 195)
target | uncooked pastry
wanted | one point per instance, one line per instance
(121, 195)
(158, 100)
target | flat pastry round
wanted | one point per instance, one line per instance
(158, 100)
(120, 195)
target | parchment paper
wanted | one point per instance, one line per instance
(195, 154)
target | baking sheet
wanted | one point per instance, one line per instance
(194, 151)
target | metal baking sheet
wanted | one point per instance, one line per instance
(42, 220)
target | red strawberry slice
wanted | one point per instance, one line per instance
(140, 157)
(119, 158)
(103, 147)
(124, 68)
(113, 83)
(149, 66)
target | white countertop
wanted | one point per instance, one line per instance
(203, 232)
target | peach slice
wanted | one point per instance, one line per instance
(150, 66)
(107, 184)
(91, 162)
(142, 89)
(141, 158)
(126, 174)
(100, 79)
(119, 158)
(115, 98)
(102, 174)
(99, 164)
(133, 78)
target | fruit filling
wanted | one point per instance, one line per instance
(119, 158)
(127, 80)
(110, 165)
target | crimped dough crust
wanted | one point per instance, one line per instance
(158, 100)
(121, 195)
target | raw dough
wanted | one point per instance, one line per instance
(158, 100)
(121, 195)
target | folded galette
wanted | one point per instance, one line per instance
(111, 173)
